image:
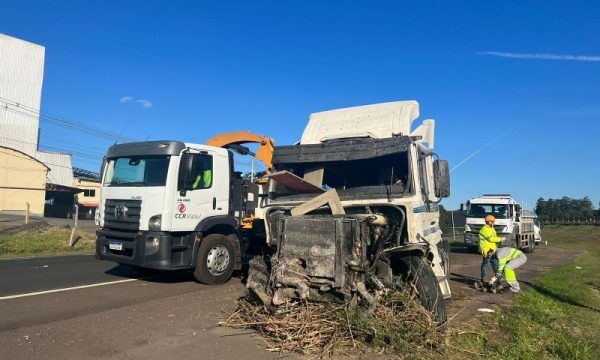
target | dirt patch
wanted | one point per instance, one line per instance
(37, 226)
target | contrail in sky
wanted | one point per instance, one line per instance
(486, 145)
(586, 58)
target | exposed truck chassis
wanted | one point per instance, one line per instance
(351, 258)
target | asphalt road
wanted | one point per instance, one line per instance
(20, 276)
(115, 312)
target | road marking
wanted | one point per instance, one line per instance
(68, 289)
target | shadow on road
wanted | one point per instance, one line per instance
(460, 249)
(463, 279)
(157, 276)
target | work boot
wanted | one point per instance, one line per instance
(479, 284)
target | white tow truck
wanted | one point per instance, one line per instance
(515, 229)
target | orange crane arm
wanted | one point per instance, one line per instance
(265, 149)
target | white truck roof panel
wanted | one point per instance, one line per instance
(376, 121)
(491, 200)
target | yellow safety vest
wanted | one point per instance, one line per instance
(206, 178)
(512, 254)
(488, 239)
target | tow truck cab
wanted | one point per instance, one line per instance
(161, 200)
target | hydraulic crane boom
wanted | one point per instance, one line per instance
(235, 139)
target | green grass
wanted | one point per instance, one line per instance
(558, 318)
(51, 241)
(585, 237)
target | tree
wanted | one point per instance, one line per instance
(565, 208)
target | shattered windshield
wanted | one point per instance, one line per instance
(137, 171)
(481, 210)
(387, 175)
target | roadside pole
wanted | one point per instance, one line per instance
(26, 213)
(453, 228)
(74, 226)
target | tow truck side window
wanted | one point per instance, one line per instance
(202, 172)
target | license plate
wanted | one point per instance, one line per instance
(113, 245)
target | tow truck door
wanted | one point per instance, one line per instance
(203, 189)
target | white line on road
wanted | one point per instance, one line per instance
(67, 289)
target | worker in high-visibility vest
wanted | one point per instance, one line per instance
(488, 239)
(203, 180)
(508, 260)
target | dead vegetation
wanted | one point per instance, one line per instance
(399, 326)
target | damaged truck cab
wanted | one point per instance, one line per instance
(353, 210)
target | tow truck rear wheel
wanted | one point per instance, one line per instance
(215, 260)
(417, 271)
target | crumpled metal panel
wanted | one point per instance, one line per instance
(316, 242)
(376, 121)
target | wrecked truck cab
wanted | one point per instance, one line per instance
(353, 211)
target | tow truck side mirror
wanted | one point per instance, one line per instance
(185, 182)
(441, 174)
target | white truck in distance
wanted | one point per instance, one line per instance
(514, 229)
(172, 205)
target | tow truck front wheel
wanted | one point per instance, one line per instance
(215, 260)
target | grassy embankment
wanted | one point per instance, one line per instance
(45, 241)
(558, 318)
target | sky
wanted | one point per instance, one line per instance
(514, 86)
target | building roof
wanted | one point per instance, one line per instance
(83, 174)
(26, 155)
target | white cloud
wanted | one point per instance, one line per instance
(146, 104)
(586, 58)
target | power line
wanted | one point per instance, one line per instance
(25, 110)
(56, 148)
(485, 145)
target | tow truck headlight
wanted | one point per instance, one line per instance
(152, 243)
(467, 228)
(154, 223)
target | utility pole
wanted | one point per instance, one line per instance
(252, 170)
(453, 228)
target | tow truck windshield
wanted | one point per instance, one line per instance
(481, 210)
(137, 171)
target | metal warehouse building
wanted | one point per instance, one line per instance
(21, 77)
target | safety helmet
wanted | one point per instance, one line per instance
(490, 218)
(486, 249)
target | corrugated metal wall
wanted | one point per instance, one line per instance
(21, 77)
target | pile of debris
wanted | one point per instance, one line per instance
(399, 325)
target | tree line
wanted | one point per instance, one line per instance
(566, 209)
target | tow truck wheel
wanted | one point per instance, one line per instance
(215, 260)
(417, 271)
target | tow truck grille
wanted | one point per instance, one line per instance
(121, 219)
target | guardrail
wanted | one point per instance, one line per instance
(572, 221)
